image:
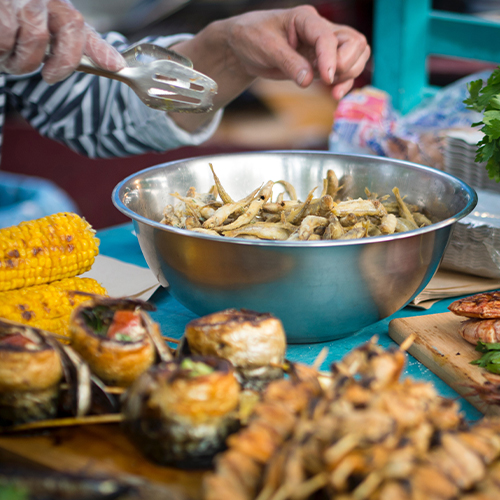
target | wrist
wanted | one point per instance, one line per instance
(212, 54)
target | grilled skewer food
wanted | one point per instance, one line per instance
(367, 435)
(44, 250)
(181, 412)
(117, 338)
(253, 342)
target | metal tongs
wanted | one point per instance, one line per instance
(161, 78)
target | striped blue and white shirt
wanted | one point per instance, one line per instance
(94, 116)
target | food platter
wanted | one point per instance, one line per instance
(368, 377)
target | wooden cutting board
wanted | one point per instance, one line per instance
(95, 450)
(440, 347)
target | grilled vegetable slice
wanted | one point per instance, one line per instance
(40, 251)
(253, 342)
(117, 338)
(30, 372)
(48, 306)
(181, 412)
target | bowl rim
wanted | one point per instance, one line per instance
(473, 198)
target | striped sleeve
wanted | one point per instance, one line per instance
(99, 117)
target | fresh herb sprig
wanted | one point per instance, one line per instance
(98, 319)
(485, 98)
(490, 360)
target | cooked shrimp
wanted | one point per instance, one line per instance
(484, 330)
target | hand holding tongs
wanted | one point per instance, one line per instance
(161, 78)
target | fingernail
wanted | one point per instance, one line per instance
(301, 76)
(331, 74)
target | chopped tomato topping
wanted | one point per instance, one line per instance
(125, 326)
(17, 339)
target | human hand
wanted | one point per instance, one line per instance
(297, 44)
(28, 26)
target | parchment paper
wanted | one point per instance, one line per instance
(446, 284)
(122, 279)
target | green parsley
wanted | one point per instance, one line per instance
(486, 99)
(13, 492)
(490, 360)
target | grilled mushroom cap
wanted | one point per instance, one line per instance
(180, 412)
(30, 372)
(255, 343)
(120, 360)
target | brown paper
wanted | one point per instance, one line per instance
(446, 284)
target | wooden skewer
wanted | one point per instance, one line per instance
(407, 343)
(108, 389)
(170, 339)
(320, 358)
(65, 422)
(114, 390)
(59, 337)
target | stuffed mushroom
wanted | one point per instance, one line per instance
(117, 338)
(180, 413)
(31, 371)
(255, 343)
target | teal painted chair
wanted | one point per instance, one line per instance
(407, 32)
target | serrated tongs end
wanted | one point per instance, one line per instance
(162, 79)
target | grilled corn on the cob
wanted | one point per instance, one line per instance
(47, 306)
(43, 250)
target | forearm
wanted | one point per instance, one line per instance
(292, 44)
(210, 53)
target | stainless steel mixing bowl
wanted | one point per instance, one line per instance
(321, 290)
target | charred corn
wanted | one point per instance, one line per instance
(43, 250)
(47, 306)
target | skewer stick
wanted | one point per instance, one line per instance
(320, 358)
(65, 422)
(114, 390)
(170, 339)
(407, 343)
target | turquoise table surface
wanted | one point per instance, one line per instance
(120, 242)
